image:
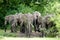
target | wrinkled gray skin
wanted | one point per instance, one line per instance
(19, 22)
(25, 21)
(40, 26)
(12, 20)
(36, 14)
(46, 23)
(33, 18)
(17, 19)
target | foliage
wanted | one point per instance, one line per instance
(2, 33)
(56, 18)
(8, 7)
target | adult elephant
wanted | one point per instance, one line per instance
(19, 22)
(25, 21)
(43, 23)
(34, 17)
(36, 14)
(46, 23)
(12, 20)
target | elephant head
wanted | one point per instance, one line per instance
(12, 20)
(36, 15)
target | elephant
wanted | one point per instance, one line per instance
(19, 22)
(34, 17)
(25, 22)
(12, 20)
(47, 23)
(43, 23)
(40, 27)
(33, 20)
(36, 14)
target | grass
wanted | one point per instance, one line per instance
(13, 36)
(7, 34)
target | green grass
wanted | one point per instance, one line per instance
(7, 34)
(12, 36)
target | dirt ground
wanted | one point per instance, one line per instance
(19, 34)
(33, 34)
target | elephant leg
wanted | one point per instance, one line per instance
(15, 26)
(43, 29)
(34, 23)
(42, 33)
(5, 27)
(39, 28)
(11, 29)
(23, 28)
(31, 26)
(26, 31)
(29, 29)
(35, 28)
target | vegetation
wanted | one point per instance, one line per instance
(2, 33)
(8, 7)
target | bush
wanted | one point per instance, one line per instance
(25, 9)
(57, 21)
(51, 32)
(7, 34)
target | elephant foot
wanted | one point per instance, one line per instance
(5, 30)
(22, 30)
(11, 32)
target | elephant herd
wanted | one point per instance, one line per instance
(27, 21)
